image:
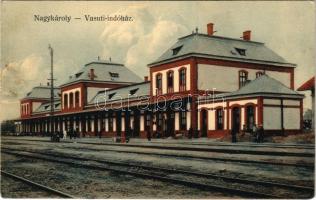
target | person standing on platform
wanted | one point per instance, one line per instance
(234, 134)
(260, 134)
(148, 135)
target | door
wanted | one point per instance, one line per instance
(170, 123)
(118, 124)
(236, 118)
(204, 123)
(136, 123)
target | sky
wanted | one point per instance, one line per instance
(288, 28)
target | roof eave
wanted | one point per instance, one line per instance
(221, 58)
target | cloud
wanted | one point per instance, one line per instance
(142, 41)
(19, 77)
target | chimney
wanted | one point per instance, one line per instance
(145, 78)
(210, 29)
(246, 35)
(91, 74)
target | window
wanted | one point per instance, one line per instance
(46, 107)
(78, 74)
(250, 117)
(183, 120)
(77, 99)
(176, 50)
(241, 52)
(89, 125)
(56, 105)
(219, 119)
(65, 100)
(132, 92)
(114, 74)
(110, 122)
(258, 74)
(159, 121)
(170, 81)
(71, 99)
(182, 79)
(111, 95)
(243, 77)
(147, 120)
(159, 83)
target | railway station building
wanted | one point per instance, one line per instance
(205, 83)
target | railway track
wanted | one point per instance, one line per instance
(198, 149)
(37, 185)
(304, 165)
(241, 187)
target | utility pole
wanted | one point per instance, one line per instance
(51, 89)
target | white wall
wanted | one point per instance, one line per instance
(226, 78)
(291, 118)
(35, 105)
(271, 118)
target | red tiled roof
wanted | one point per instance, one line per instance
(308, 85)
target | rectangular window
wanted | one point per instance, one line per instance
(183, 120)
(243, 77)
(219, 119)
(159, 121)
(110, 123)
(182, 80)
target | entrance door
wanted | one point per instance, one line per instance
(236, 118)
(136, 123)
(170, 123)
(118, 124)
(204, 123)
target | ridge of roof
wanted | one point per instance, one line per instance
(219, 37)
(107, 62)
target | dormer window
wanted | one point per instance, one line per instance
(78, 74)
(111, 95)
(176, 50)
(132, 92)
(114, 74)
(240, 51)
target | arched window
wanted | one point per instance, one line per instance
(182, 79)
(250, 117)
(77, 99)
(258, 74)
(71, 100)
(159, 83)
(170, 82)
(65, 100)
(219, 119)
(243, 77)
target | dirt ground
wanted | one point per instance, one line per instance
(83, 183)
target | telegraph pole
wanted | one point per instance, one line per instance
(51, 89)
